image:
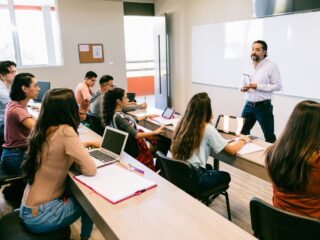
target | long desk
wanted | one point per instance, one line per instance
(165, 212)
(252, 163)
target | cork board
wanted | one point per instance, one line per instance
(91, 53)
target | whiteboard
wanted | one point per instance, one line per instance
(221, 51)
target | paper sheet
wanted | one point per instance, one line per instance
(249, 148)
(115, 183)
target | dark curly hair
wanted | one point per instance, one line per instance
(109, 104)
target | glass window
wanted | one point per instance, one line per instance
(30, 33)
(6, 41)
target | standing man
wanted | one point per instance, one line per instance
(262, 79)
(83, 93)
(7, 73)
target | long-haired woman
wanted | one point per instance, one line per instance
(112, 114)
(293, 162)
(54, 146)
(194, 137)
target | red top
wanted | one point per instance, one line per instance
(305, 202)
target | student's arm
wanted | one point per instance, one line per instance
(29, 123)
(233, 147)
(124, 125)
(149, 134)
(74, 148)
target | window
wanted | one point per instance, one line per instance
(30, 33)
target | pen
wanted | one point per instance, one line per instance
(136, 169)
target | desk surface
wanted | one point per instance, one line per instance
(165, 212)
(252, 163)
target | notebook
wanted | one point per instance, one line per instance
(113, 143)
(116, 184)
(166, 117)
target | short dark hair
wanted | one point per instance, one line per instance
(22, 79)
(90, 75)
(264, 46)
(5, 65)
(105, 79)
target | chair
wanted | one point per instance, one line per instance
(6, 178)
(95, 123)
(271, 223)
(11, 228)
(183, 175)
(131, 96)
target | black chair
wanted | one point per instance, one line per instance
(131, 96)
(183, 175)
(6, 178)
(271, 223)
(95, 123)
(12, 228)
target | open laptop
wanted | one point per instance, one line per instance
(44, 87)
(231, 125)
(166, 118)
(113, 143)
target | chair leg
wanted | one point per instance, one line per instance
(225, 193)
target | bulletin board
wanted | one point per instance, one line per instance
(91, 53)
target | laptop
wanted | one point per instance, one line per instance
(112, 146)
(166, 118)
(44, 87)
(231, 125)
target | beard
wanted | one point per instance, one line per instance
(255, 58)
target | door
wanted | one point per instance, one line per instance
(162, 68)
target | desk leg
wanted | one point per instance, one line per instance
(216, 164)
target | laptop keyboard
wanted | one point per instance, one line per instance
(101, 156)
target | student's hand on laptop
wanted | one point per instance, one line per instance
(92, 144)
(159, 130)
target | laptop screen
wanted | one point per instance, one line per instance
(229, 124)
(168, 112)
(44, 87)
(114, 140)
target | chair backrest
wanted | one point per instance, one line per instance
(95, 124)
(271, 223)
(180, 173)
(131, 96)
(229, 124)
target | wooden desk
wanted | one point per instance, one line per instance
(165, 212)
(252, 163)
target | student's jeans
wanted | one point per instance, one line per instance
(261, 112)
(12, 159)
(209, 178)
(56, 214)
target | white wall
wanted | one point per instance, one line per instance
(182, 15)
(82, 21)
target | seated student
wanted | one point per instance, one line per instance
(195, 136)
(18, 121)
(83, 93)
(293, 162)
(113, 102)
(106, 84)
(54, 146)
(7, 74)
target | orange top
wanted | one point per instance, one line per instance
(305, 202)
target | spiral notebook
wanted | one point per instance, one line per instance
(116, 184)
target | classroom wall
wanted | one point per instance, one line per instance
(82, 21)
(182, 15)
